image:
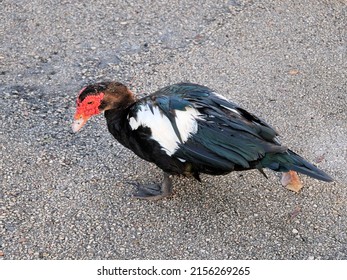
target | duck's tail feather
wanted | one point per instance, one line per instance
(284, 162)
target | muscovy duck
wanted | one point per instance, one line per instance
(188, 129)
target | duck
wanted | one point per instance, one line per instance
(189, 129)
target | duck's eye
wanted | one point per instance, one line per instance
(90, 102)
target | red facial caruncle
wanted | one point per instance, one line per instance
(86, 108)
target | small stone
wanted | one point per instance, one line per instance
(295, 231)
(310, 258)
(1, 253)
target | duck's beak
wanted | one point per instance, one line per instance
(79, 122)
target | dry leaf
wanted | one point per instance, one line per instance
(319, 159)
(291, 181)
(293, 214)
(294, 72)
(22, 240)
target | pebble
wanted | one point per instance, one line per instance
(295, 231)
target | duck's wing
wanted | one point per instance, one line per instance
(194, 124)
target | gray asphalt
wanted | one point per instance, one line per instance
(68, 196)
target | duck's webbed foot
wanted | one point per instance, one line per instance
(154, 191)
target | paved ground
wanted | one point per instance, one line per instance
(65, 196)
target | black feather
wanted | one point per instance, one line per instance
(228, 137)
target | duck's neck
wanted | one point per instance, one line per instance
(116, 116)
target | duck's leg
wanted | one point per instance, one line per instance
(155, 191)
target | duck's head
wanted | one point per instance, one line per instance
(97, 98)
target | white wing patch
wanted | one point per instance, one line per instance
(161, 127)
